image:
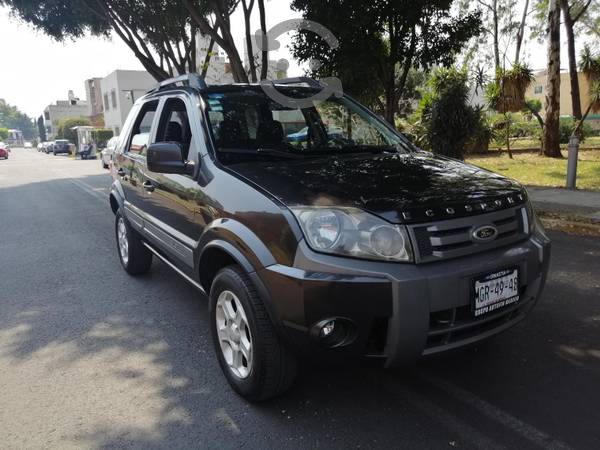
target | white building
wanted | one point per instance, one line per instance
(219, 70)
(120, 89)
(73, 108)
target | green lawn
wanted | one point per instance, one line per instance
(540, 171)
(590, 141)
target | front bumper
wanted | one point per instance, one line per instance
(398, 312)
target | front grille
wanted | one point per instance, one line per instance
(452, 238)
(456, 325)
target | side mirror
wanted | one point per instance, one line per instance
(167, 157)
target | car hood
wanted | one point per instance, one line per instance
(397, 187)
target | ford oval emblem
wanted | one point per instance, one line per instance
(485, 233)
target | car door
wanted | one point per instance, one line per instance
(131, 158)
(170, 199)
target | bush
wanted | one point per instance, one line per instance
(3, 134)
(566, 129)
(65, 131)
(102, 136)
(444, 121)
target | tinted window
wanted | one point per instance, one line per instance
(249, 120)
(174, 125)
(140, 134)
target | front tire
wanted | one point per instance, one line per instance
(255, 361)
(135, 258)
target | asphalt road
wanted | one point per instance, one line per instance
(90, 357)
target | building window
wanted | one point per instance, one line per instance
(538, 89)
(106, 102)
(47, 115)
(117, 131)
(113, 98)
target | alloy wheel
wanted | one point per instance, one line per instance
(122, 240)
(234, 334)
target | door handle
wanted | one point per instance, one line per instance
(121, 172)
(149, 187)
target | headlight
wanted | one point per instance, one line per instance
(353, 232)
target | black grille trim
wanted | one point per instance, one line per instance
(438, 241)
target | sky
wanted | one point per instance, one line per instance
(36, 70)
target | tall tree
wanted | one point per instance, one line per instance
(394, 35)
(264, 68)
(552, 126)
(160, 33)
(247, 6)
(572, 12)
(41, 129)
(11, 117)
(219, 30)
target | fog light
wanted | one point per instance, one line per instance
(328, 329)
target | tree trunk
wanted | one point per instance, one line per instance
(496, 34)
(575, 94)
(521, 33)
(264, 68)
(249, 48)
(551, 129)
(225, 40)
(391, 103)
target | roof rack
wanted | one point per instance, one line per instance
(191, 79)
(299, 80)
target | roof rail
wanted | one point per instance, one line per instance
(299, 80)
(191, 79)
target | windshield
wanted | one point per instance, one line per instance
(248, 124)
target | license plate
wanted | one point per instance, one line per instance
(495, 291)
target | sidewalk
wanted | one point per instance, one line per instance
(580, 203)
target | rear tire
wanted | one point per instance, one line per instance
(135, 258)
(270, 368)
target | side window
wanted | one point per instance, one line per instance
(140, 134)
(174, 125)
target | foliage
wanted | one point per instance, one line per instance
(3, 134)
(159, 32)
(501, 31)
(11, 117)
(444, 116)
(507, 92)
(65, 128)
(102, 136)
(567, 126)
(392, 36)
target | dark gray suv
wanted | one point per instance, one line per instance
(318, 231)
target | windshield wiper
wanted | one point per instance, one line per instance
(261, 151)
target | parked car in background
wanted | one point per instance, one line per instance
(60, 146)
(352, 247)
(27, 144)
(4, 150)
(40, 146)
(106, 153)
(48, 147)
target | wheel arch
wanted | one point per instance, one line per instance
(116, 197)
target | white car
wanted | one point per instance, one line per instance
(27, 144)
(106, 154)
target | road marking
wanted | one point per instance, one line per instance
(446, 419)
(523, 429)
(90, 190)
